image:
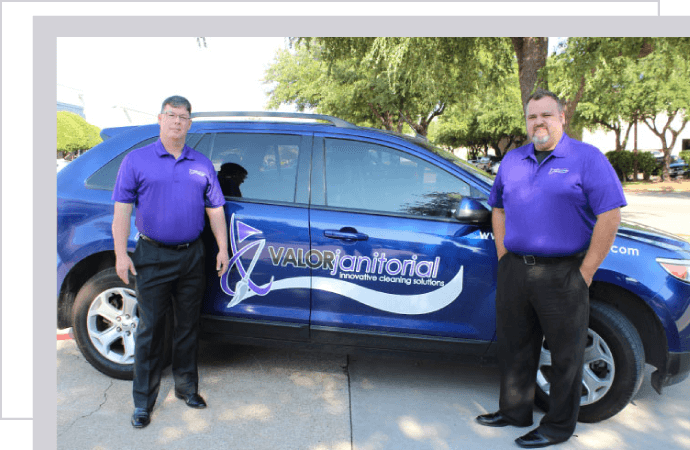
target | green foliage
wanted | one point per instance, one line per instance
(386, 81)
(75, 134)
(624, 161)
(685, 156)
(492, 119)
(646, 163)
(461, 90)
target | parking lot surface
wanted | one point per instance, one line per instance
(279, 399)
(668, 211)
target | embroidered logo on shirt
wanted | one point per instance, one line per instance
(558, 171)
(197, 172)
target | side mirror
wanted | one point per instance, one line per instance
(470, 210)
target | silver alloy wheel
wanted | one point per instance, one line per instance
(598, 372)
(112, 320)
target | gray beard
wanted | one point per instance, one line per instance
(540, 140)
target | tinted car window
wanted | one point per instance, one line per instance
(366, 176)
(260, 167)
(105, 177)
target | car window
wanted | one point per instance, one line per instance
(104, 178)
(260, 167)
(367, 176)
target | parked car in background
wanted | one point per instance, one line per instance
(659, 157)
(678, 167)
(353, 238)
(484, 163)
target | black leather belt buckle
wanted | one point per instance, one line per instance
(529, 260)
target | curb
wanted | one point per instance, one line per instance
(64, 335)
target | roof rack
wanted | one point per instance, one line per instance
(277, 114)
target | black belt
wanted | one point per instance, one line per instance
(162, 245)
(532, 260)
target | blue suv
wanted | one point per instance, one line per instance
(354, 238)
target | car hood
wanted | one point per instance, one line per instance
(653, 236)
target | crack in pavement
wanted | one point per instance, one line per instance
(105, 399)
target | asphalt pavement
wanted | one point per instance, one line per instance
(668, 211)
(278, 399)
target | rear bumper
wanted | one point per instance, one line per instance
(677, 369)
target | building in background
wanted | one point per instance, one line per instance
(75, 101)
(646, 139)
(122, 116)
(70, 100)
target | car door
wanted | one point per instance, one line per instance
(264, 177)
(392, 259)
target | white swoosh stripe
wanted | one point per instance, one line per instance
(398, 304)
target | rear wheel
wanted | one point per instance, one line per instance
(613, 365)
(104, 322)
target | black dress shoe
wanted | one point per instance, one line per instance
(193, 400)
(497, 420)
(141, 417)
(534, 439)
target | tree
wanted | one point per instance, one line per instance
(415, 80)
(570, 71)
(406, 80)
(639, 84)
(666, 93)
(531, 54)
(493, 119)
(74, 134)
(611, 99)
(346, 88)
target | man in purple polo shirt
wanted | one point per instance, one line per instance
(556, 209)
(172, 186)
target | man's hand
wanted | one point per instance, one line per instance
(222, 263)
(123, 266)
(602, 239)
(216, 217)
(121, 224)
(498, 224)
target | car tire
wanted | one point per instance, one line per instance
(613, 368)
(104, 319)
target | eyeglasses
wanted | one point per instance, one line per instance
(173, 116)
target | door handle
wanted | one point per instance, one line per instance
(345, 235)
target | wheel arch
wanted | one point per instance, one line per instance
(75, 279)
(641, 315)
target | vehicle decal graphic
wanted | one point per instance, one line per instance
(341, 268)
(245, 284)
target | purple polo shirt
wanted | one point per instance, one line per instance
(551, 207)
(170, 195)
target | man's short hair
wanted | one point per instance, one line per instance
(541, 93)
(177, 101)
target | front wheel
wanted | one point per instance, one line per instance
(613, 365)
(104, 320)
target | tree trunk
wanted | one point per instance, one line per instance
(531, 55)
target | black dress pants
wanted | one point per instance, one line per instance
(167, 280)
(533, 302)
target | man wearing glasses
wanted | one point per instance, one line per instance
(172, 186)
